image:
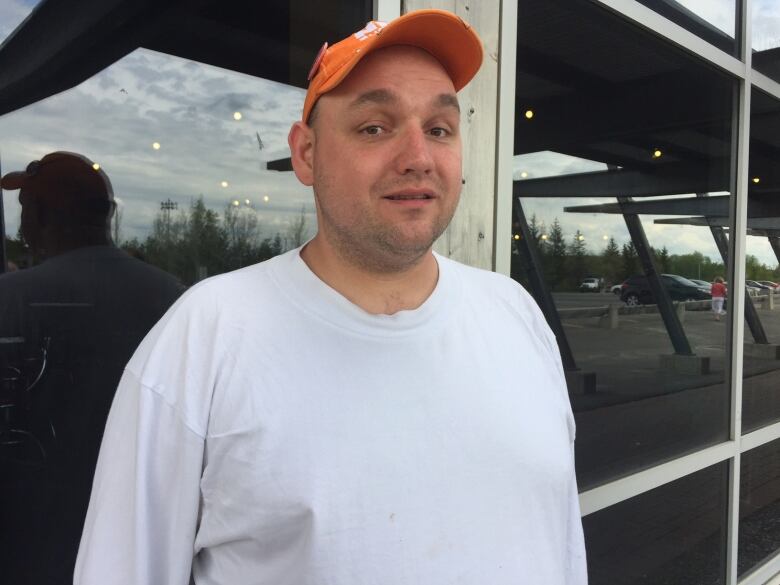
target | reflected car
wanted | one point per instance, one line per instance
(636, 290)
(758, 285)
(589, 285)
(770, 284)
(703, 283)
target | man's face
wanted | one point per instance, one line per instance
(386, 159)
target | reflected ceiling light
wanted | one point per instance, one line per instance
(544, 236)
(246, 201)
(529, 114)
(96, 166)
(224, 184)
(237, 115)
(266, 198)
(580, 237)
(756, 179)
(236, 203)
(517, 236)
(156, 145)
(605, 237)
(523, 175)
(657, 153)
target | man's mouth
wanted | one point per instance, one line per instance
(409, 196)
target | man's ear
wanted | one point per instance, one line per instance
(301, 141)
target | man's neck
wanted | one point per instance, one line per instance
(374, 292)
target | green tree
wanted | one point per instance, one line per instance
(556, 253)
(611, 267)
(577, 259)
(629, 260)
(204, 243)
(240, 228)
(298, 231)
(663, 260)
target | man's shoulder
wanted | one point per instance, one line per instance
(479, 281)
(485, 290)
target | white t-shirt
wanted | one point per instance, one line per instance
(268, 431)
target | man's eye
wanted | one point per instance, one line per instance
(439, 132)
(372, 130)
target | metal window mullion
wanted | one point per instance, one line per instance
(767, 573)
(505, 137)
(387, 10)
(766, 84)
(653, 22)
(740, 154)
(760, 437)
(612, 493)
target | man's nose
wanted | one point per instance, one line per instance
(415, 152)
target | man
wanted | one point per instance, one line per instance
(76, 320)
(363, 411)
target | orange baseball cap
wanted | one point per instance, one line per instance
(443, 34)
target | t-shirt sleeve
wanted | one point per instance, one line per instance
(576, 569)
(143, 513)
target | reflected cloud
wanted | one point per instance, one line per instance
(188, 108)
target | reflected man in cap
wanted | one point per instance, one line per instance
(363, 410)
(76, 318)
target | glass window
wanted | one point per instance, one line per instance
(759, 506)
(181, 172)
(672, 534)
(766, 38)
(712, 20)
(186, 147)
(617, 158)
(13, 13)
(761, 377)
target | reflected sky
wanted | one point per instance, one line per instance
(719, 13)
(598, 228)
(12, 13)
(766, 24)
(189, 110)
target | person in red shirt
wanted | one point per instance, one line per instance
(718, 292)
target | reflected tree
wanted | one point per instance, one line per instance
(611, 265)
(556, 267)
(577, 259)
(298, 231)
(630, 260)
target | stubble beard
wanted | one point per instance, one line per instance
(378, 247)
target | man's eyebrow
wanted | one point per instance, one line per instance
(375, 96)
(384, 96)
(448, 100)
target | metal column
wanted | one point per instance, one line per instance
(532, 265)
(665, 308)
(751, 316)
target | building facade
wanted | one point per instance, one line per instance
(630, 144)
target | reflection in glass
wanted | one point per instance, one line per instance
(166, 130)
(759, 506)
(13, 13)
(712, 20)
(766, 37)
(761, 377)
(68, 326)
(671, 535)
(624, 171)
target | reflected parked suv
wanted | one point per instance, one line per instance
(636, 290)
(590, 284)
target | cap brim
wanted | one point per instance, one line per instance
(13, 180)
(442, 34)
